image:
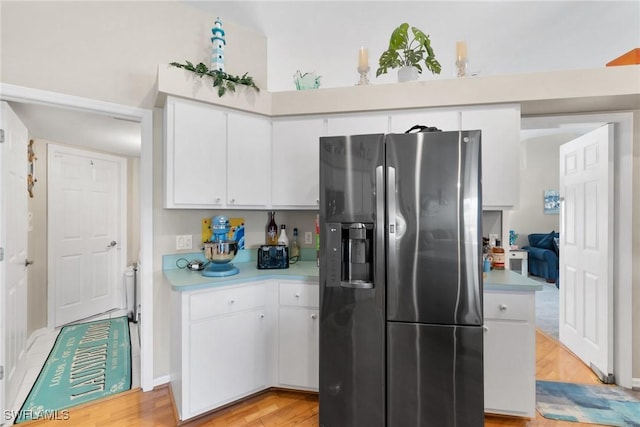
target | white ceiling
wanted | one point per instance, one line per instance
(81, 129)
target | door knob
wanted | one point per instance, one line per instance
(112, 244)
(27, 262)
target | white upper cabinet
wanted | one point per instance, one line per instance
(219, 158)
(195, 155)
(216, 158)
(248, 161)
(444, 120)
(357, 124)
(295, 162)
(500, 126)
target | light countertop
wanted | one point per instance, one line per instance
(507, 280)
(187, 280)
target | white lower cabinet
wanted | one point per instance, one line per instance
(298, 336)
(227, 359)
(219, 346)
(231, 342)
(509, 353)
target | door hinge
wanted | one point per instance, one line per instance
(1, 254)
(1, 135)
(1, 372)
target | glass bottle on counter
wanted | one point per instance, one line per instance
(295, 248)
(272, 229)
(283, 239)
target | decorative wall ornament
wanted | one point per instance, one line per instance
(551, 202)
(217, 49)
(223, 81)
(31, 170)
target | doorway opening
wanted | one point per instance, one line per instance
(144, 189)
(558, 130)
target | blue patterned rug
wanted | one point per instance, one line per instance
(88, 361)
(594, 404)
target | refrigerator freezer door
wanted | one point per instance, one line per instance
(352, 320)
(434, 375)
(434, 230)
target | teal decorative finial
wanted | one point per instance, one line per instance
(217, 48)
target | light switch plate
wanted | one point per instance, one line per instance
(308, 238)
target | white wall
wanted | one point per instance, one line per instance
(503, 37)
(539, 171)
(110, 50)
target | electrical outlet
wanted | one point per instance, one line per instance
(308, 239)
(188, 241)
(184, 242)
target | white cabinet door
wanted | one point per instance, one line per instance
(227, 359)
(195, 155)
(509, 353)
(357, 124)
(295, 166)
(500, 127)
(445, 120)
(298, 347)
(248, 161)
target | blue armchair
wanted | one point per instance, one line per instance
(543, 255)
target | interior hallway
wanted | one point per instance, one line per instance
(42, 344)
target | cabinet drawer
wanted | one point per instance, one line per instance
(508, 306)
(227, 301)
(299, 295)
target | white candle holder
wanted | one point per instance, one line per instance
(461, 67)
(364, 76)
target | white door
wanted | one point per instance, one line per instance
(87, 213)
(586, 250)
(13, 239)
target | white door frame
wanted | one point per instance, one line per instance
(121, 237)
(23, 94)
(622, 220)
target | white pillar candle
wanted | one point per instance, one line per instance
(461, 50)
(363, 57)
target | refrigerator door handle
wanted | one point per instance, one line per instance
(391, 220)
(380, 221)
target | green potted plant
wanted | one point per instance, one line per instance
(408, 54)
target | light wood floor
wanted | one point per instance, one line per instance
(285, 408)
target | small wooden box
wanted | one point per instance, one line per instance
(629, 58)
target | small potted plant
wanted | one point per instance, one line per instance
(408, 54)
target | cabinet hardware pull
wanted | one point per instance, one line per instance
(231, 301)
(485, 328)
(297, 295)
(262, 315)
(503, 307)
(314, 316)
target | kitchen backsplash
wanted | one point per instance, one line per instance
(189, 222)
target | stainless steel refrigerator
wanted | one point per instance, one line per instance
(400, 280)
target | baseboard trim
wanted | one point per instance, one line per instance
(635, 383)
(158, 381)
